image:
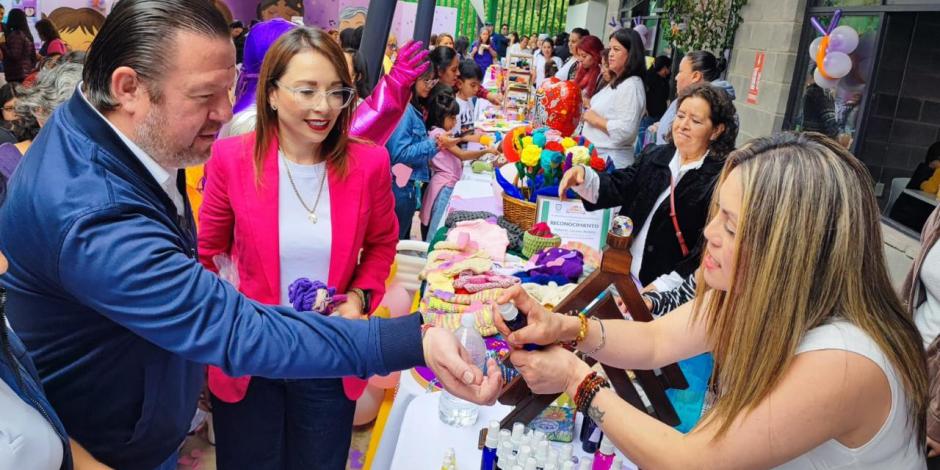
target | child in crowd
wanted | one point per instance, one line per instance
(468, 85)
(410, 149)
(447, 164)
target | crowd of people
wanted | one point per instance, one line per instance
(128, 267)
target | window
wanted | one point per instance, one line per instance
(837, 112)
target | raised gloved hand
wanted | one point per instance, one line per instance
(377, 116)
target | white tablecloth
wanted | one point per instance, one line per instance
(423, 439)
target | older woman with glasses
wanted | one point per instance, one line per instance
(297, 198)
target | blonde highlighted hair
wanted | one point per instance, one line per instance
(808, 249)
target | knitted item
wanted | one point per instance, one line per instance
(480, 282)
(513, 231)
(313, 296)
(532, 244)
(490, 295)
(483, 313)
(451, 263)
(556, 262)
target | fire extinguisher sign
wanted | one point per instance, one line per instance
(754, 89)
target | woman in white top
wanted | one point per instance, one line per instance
(547, 50)
(514, 47)
(612, 118)
(817, 364)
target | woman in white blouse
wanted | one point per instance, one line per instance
(612, 117)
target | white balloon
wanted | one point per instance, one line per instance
(837, 64)
(843, 39)
(823, 82)
(814, 47)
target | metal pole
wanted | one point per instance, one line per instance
(375, 35)
(423, 21)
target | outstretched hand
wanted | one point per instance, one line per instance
(454, 368)
(411, 62)
(573, 177)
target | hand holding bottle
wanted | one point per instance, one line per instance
(542, 326)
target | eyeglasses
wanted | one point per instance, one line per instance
(430, 82)
(9, 109)
(336, 98)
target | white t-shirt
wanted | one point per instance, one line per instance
(304, 246)
(27, 440)
(622, 107)
(927, 314)
(465, 117)
(540, 68)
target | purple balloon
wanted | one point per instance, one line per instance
(837, 64)
(823, 82)
(259, 40)
(843, 39)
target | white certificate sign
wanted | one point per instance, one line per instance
(570, 221)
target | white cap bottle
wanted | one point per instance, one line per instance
(530, 464)
(492, 435)
(567, 465)
(586, 463)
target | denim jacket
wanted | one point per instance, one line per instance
(410, 145)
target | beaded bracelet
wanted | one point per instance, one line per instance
(582, 331)
(588, 389)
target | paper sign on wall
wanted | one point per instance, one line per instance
(754, 89)
(573, 223)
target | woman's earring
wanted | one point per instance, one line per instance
(274, 107)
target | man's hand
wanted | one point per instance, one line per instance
(452, 365)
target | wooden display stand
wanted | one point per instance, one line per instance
(614, 271)
(517, 87)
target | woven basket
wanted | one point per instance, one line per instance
(519, 212)
(532, 244)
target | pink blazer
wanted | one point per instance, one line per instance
(240, 218)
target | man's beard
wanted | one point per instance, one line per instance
(168, 154)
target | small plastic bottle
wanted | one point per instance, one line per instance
(567, 465)
(586, 463)
(530, 464)
(604, 457)
(488, 459)
(453, 410)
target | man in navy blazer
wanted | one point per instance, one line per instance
(104, 286)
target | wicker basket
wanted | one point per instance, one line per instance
(532, 244)
(519, 212)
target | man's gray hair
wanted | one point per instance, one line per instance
(53, 87)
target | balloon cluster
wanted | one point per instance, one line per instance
(831, 51)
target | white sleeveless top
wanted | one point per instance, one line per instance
(895, 446)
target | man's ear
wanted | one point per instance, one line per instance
(127, 90)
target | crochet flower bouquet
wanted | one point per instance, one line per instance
(541, 156)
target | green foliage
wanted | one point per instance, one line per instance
(702, 24)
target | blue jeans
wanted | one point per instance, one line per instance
(406, 203)
(285, 424)
(438, 209)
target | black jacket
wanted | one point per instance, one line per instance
(636, 189)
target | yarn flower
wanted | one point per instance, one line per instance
(598, 164)
(579, 155)
(531, 155)
(538, 138)
(526, 141)
(554, 147)
(568, 142)
(313, 296)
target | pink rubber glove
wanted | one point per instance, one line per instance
(377, 115)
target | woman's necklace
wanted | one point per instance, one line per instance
(311, 213)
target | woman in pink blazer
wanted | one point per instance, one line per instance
(297, 198)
